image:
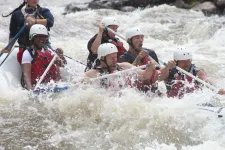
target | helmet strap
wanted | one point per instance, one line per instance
(129, 41)
(107, 66)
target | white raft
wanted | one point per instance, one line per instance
(220, 111)
(10, 71)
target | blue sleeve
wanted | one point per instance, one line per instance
(48, 16)
(13, 25)
(122, 58)
(126, 58)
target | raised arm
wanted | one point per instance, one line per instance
(98, 40)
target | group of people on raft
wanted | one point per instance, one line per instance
(106, 55)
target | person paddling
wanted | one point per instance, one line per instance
(35, 59)
(107, 64)
(103, 36)
(177, 83)
(138, 55)
(31, 13)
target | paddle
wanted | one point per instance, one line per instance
(119, 72)
(45, 72)
(67, 56)
(15, 38)
(178, 68)
(194, 77)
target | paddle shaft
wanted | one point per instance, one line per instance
(45, 72)
(67, 56)
(122, 37)
(120, 72)
(178, 68)
(15, 38)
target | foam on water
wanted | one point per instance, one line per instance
(86, 117)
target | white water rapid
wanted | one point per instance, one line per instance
(86, 117)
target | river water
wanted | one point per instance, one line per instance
(86, 117)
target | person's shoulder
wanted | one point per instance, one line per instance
(16, 13)
(124, 55)
(92, 38)
(44, 9)
(125, 65)
(197, 69)
(48, 49)
(91, 73)
(127, 53)
(26, 51)
(26, 54)
(200, 72)
(127, 57)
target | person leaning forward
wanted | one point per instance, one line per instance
(178, 83)
(107, 64)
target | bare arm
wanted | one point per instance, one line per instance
(136, 62)
(125, 65)
(98, 40)
(203, 76)
(61, 60)
(26, 68)
(142, 74)
(165, 71)
(91, 73)
(141, 55)
(147, 73)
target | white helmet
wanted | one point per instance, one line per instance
(182, 54)
(131, 32)
(37, 29)
(106, 49)
(110, 21)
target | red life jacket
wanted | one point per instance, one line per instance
(40, 62)
(144, 61)
(147, 84)
(20, 54)
(119, 46)
(179, 85)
